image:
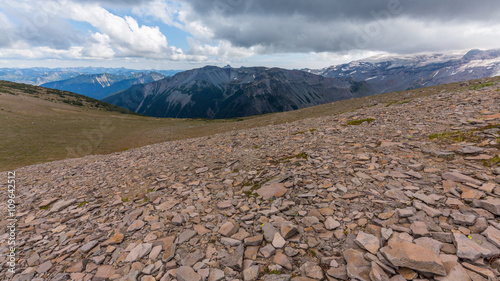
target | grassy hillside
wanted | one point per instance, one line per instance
(39, 125)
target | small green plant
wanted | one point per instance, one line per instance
(298, 133)
(359, 121)
(256, 146)
(391, 103)
(312, 130)
(82, 204)
(45, 207)
(149, 190)
(492, 161)
(312, 252)
(457, 136)
(301, 155)
(482, 85)
(125, 199)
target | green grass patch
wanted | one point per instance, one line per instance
(298, 133)
(492, 162)
(82, 204)
(125, 199)
(397, 102)
(482, 85)
(301, 155)
(359, 121)
(45, 207)
(457, 136)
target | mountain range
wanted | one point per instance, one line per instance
(40, 75)
(98, 86)
(389, 73)
(214, 92)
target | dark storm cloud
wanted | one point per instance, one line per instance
(325, 10)
(329, 25)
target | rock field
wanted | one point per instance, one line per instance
(393, 198)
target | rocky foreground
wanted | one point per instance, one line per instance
(393, 198)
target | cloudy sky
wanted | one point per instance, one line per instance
(183, 34)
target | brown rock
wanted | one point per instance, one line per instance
(272, 190)
(413, 256)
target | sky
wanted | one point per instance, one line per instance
(185, 34)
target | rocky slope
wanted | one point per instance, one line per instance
(397, 73)
(376, 194)
(98, 86)
(213, 92)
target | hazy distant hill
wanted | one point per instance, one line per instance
(99, 86)
(387, 73)
(41, 75)
(213, 92)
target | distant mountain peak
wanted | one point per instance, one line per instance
(215, 92)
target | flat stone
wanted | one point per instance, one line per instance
(62, 204)
(186, 236)
(269, 231)
(493, 235)
(282, 260)
(234, 260)
(251, 273)
(463, 219)
(44, 267)
(454, 270)
(267, 251)
(458, 177)
(104, 272)
(397, 195)
(470, 150)
(192, 258)
(228, 229)
(138, 252)
(115, 239)
(168, 246)
(216, 275)
(269, 191)
(312, 270)
(226, 204)
(167, 205)
(406, 213)
(254, 240)
(201, 230)
(230, 241)
(407, 273)
(186, 273)
(278, 241)
(468, 249)
(377, 273)
(136, 225)
(288, 230)
(178, 219)
(331, 223)
(413, 256)
(430, 244)
(87, 247)
(47, 202)
(201, 170)
(357, 266)
(479, 270)
(490, 205)
(369, 242)
(338, 272)
(419, 228)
